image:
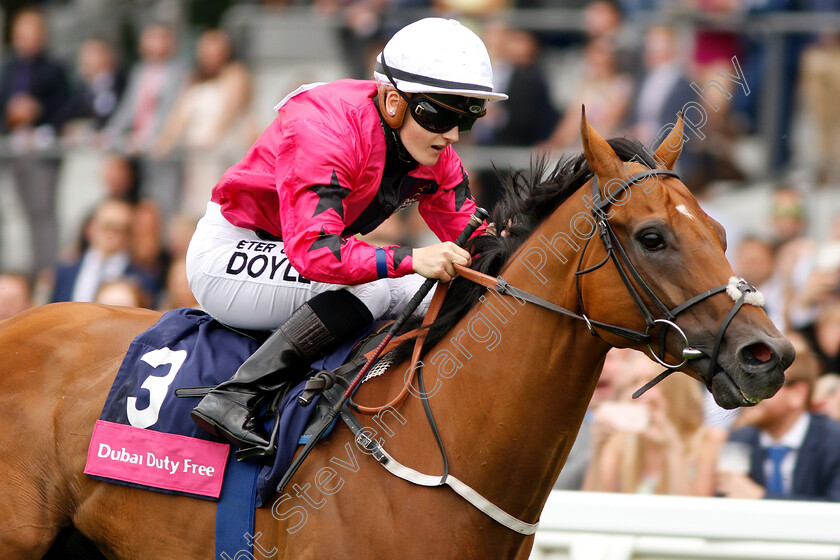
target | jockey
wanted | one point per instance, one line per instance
(276, 247)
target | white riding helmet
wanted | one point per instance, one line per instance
(436, 55)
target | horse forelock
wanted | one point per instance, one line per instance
(528, 198)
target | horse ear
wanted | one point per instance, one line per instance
(671, 147)
(598, 153)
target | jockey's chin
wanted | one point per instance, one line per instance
(423, 145)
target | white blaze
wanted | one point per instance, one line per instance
(684, 211)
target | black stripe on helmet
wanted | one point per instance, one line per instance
(392, 73)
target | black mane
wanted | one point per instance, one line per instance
(528, 199)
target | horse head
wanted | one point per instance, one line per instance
(667, 265)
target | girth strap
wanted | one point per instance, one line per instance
(408, 474)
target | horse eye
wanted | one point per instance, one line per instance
(652, 241)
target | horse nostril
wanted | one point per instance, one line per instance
(758, 353)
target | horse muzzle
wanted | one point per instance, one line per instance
(752, 372)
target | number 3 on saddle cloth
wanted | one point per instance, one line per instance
(145, 436)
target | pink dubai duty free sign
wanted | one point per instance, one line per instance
(157, 459)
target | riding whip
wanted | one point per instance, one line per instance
(474, 222)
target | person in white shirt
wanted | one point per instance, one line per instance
(106, 258)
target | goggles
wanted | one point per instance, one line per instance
(440, 113)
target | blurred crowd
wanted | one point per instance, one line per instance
(172, 110)
(165, 130)
(673, 440)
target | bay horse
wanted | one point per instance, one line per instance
(508, 381)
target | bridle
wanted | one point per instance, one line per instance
(738, 289)
(617, 254)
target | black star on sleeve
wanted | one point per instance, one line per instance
(331, 241)
(462, 192)
(330, 196)
(399, 254)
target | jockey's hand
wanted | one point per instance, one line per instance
(435, 261)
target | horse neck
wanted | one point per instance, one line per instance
(526, 377)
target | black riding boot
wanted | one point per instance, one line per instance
(314, 329)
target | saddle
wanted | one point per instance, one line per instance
(290, 425)
(331, 374)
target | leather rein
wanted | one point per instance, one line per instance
(738, 289)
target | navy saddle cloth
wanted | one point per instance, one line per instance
(214, 353)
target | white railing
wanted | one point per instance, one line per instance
(601, 526)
